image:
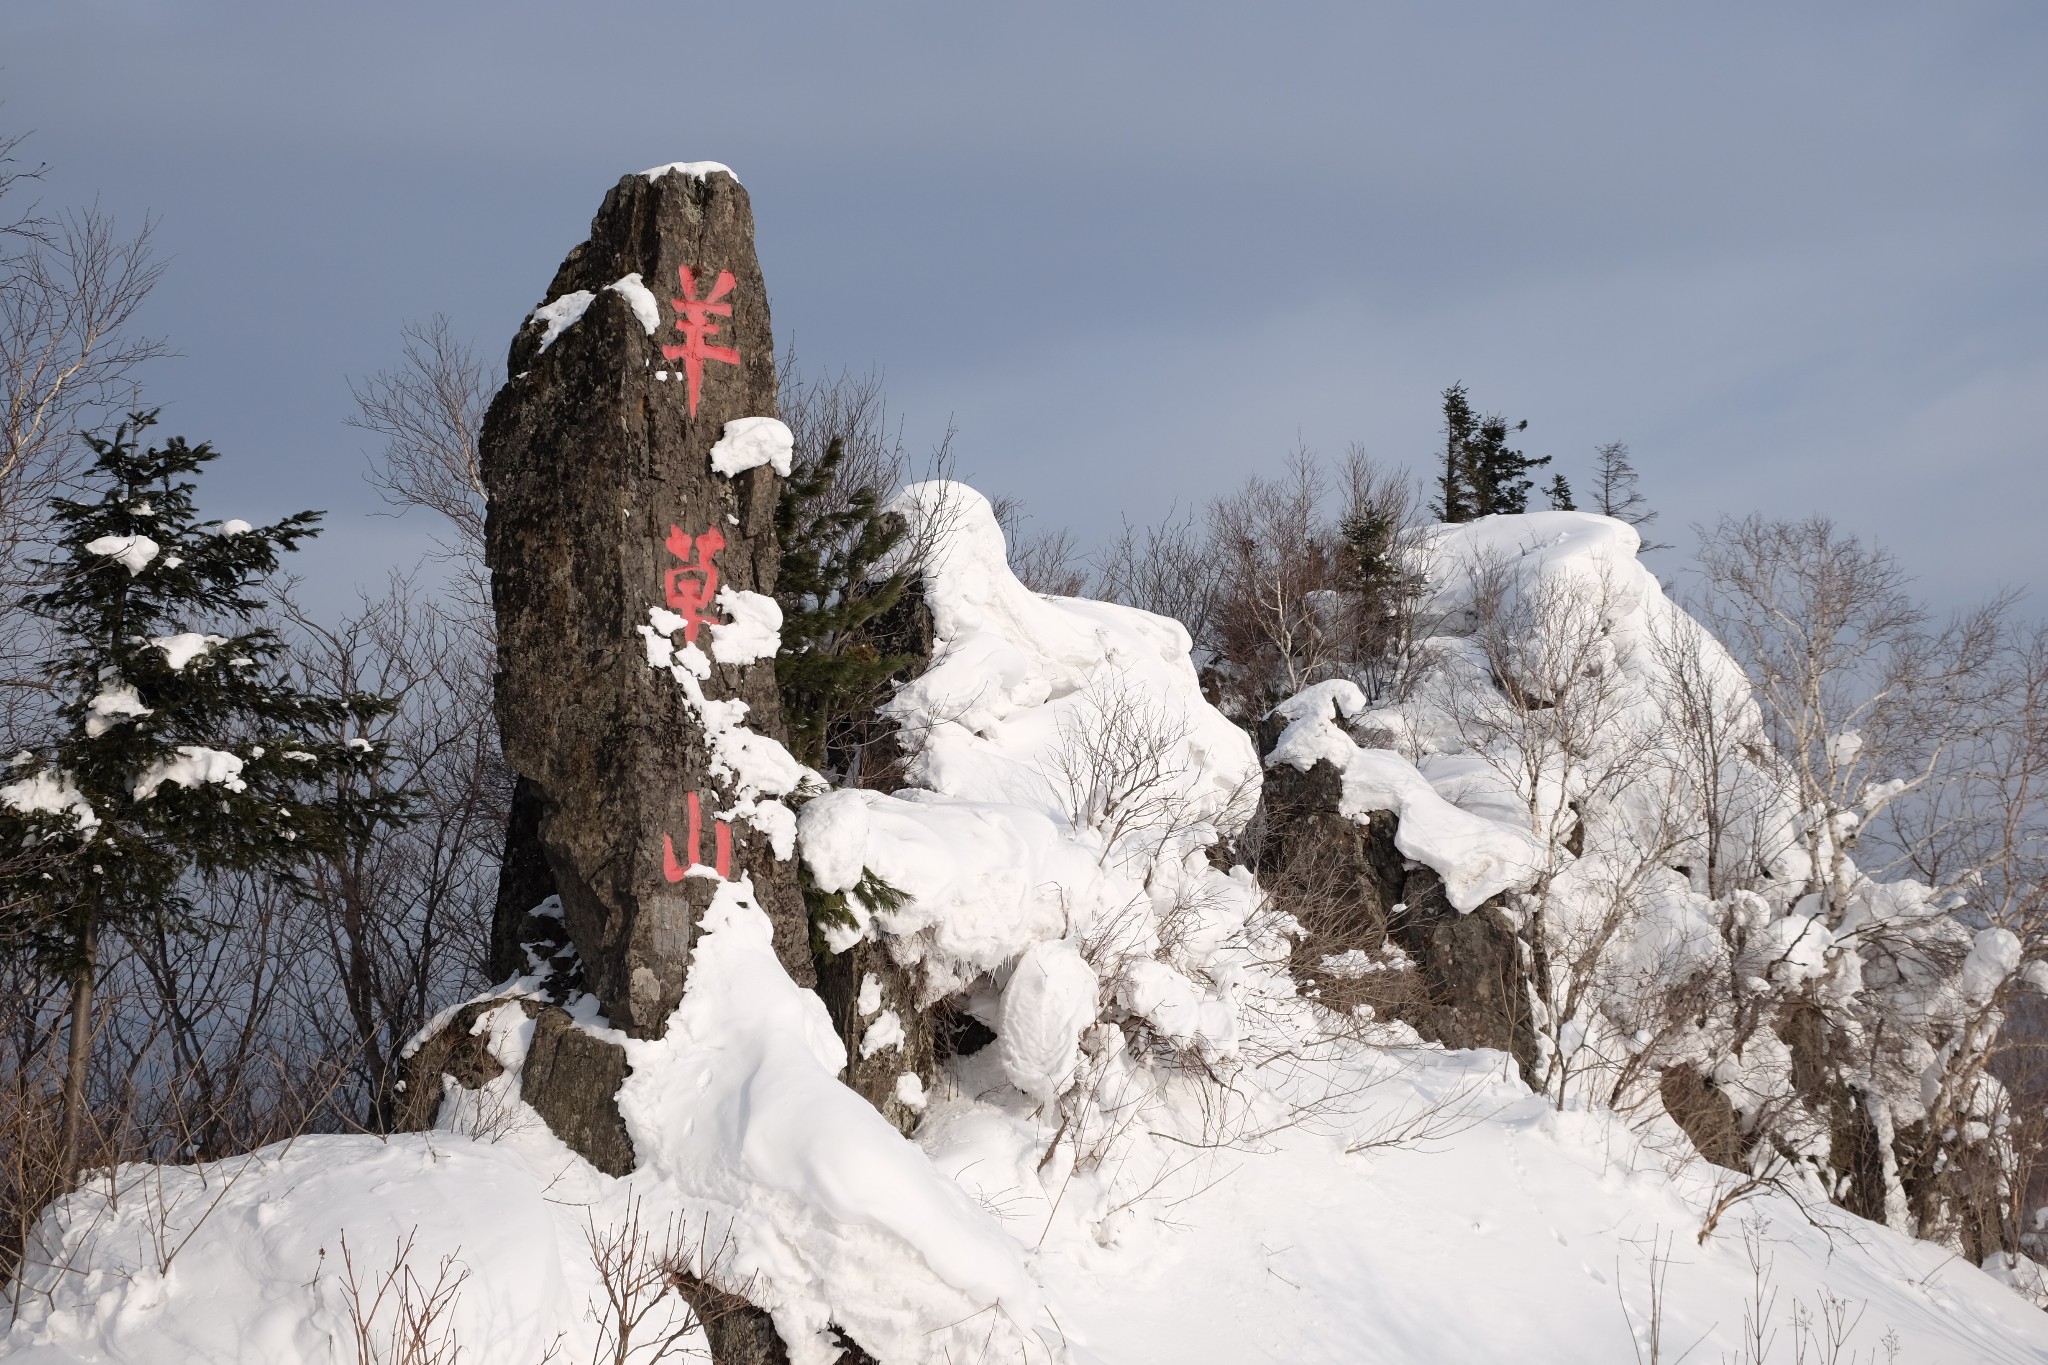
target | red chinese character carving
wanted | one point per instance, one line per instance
(691, 588)
(695, 320)
(675, 870)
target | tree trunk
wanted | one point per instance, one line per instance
(80, 1059)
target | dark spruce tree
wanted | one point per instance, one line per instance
(1500, 473)
(836, 597)
(1454, 480)
(179, 747)
(1559, 494)
(1480, 473)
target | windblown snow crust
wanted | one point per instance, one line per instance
(1165, 1156)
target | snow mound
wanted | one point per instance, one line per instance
(696, 170)
(752, 442)
(838, 1218)
(1070, 779)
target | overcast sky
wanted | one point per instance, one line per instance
(1795, 255)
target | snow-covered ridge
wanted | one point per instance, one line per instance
(1015, 733)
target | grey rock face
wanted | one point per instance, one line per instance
(874, 1075)
(1350, 887)
(603, 504)
(570, 1078)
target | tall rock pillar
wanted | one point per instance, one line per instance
(615, 547)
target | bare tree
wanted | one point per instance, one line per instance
(1718, 752)
(402, 922)
(1168, 568)
(1615, 493)
(70, 287)
(1045, 561)
(429, 410)
(1304, 593)
(1868, 701)
(1542, 699)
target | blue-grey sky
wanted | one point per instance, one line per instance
(1795, 255)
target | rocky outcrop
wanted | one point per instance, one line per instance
(872, 1000)
(596, 455)
(569, 1077)
(1466, 975)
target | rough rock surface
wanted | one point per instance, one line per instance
(875, 1073)
(603, 503)
(570, 1077)
(1351, 888)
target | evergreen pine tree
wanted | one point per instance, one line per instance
(834, 661)
(174, 752)
(1499, 473)
(1480, 473)
(1559, 492)
(1454, 483)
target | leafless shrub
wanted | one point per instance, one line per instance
(653, 1281)
(1648, 1339)
(397, 1317)
(1169, 569)
(1121, 769)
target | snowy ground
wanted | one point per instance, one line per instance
(1167, 1157)
(1517, 1238)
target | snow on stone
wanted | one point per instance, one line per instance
(697, 170)
(984, 879)
(645, 307)
(1001, 849)
(1477, 857)
(885, 1032)
(754, 632)
(195, 766)
(759, 768)
(114, 703)
(1018, 679)
(563, 313)
(750, 443)
(131, 552)
(182, 649)
(49, 793)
